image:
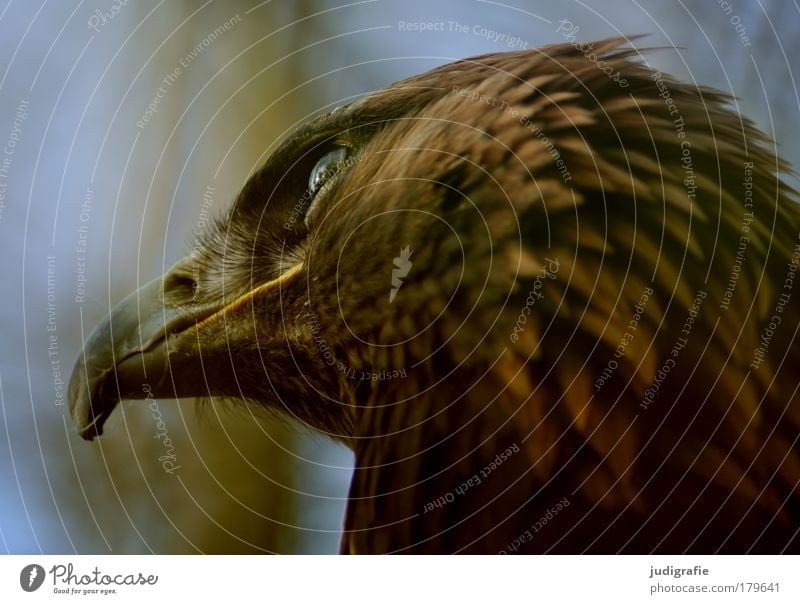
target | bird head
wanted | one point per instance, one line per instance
(331, 271)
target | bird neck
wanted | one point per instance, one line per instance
(434, 461)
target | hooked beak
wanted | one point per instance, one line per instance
(148, 346)
(158, 343)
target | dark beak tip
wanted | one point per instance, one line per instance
(88, 411)
(89, 434)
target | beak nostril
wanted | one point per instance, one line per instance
(181, 284)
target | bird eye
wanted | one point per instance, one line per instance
(328, 166)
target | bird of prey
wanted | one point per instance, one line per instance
(549, 298)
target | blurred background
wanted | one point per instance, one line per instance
(125, 125)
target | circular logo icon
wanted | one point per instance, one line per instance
(31, 577)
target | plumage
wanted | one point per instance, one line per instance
(577, 356)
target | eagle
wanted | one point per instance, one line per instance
(547, 297)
